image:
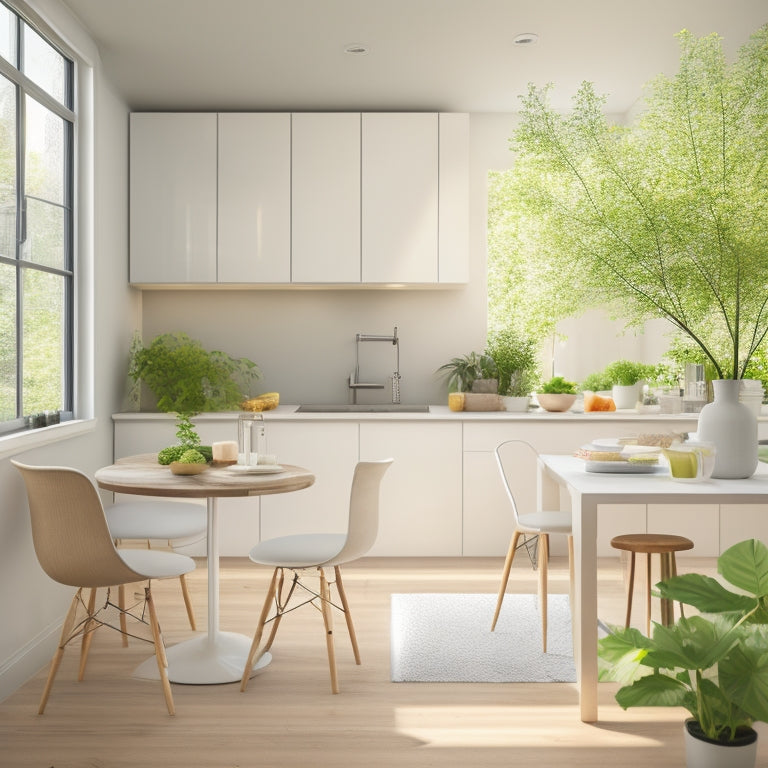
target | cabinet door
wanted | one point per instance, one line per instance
(325, 210)
(173, 198)
(399, 198)
(254, 210)
(329, 450)
(453, 204)
(420, 513)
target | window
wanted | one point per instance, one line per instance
(36, 226)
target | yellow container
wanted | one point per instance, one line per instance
(456, 401)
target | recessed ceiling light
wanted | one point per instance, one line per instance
(527, 38)
(356, 48)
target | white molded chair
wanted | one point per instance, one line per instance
(518, 459)
(175, 522)
(318, 551)
(74, 547)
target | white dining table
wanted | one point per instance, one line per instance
(587, 492)
(214, 656)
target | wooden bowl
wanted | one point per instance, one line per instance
(180, 468)
(557, 403)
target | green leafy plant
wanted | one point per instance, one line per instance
(516, 363)
(460, 373)
(715, 664)
(596, 382)
(186, 379)
(663, 217)
(557, 385)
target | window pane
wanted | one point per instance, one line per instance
(7, 168)
(45, 65)
(45, 243)
(44, 341)
(8, 35)
(46, 153)
(8, 356)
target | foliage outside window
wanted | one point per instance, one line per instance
(36, 224)
(664, 217)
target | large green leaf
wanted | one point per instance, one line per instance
(653, 691)
(745, 565)
(743, 674)
(694, 643)
(620, 655)
(705, 594)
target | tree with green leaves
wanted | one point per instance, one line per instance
(664, 217)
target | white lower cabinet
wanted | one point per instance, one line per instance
(420, 513)
(328, 449)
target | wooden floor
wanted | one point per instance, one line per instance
(288, 716)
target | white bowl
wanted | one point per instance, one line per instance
(550, 402)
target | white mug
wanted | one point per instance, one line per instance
(690, 461)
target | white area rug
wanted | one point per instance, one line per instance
(447, 638)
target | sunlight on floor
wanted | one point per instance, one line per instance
(448, 726)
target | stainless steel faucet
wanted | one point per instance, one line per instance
(354, 377)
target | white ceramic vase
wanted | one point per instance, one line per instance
(732, 427)
(700, 753)
(625, 396)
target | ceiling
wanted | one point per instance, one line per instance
(431, 55)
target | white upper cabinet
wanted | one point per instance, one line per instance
(254, 198)
(325, 206)
(400, 198)
(173, 198)
(303, 198)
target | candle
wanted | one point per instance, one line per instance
(225, 452)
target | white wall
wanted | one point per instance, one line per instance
(32, 605)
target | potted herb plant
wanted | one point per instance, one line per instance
(186, 379)
(715, 664)
(516, 365)
(557, 394)
(473, 372)
(625, 377)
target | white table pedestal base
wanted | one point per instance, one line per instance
(202, 661)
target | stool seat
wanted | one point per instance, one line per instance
(651, 543)
(662, 544)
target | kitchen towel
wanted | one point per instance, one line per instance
(442, 637)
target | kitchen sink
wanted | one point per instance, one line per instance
(359, 408)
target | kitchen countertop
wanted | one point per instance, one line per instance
(436, 413)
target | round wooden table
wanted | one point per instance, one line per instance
(216, 657)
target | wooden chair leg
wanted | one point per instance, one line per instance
(631, 588)
(188, 602)
(347, 614)
(162, 660)
(648, 594)
(543, 563)
(281, 604)
(325, 595)
(259, 631)
(66, 628)
(88, 630)
(505, 576)
(121, 606)
(667, 606)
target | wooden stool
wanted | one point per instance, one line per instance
(652, 543)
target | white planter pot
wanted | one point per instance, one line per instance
(626, 396)
(516, 403)
(701, 753)
(732, 427)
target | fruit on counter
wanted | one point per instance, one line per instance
(264, 402)
(595, 402)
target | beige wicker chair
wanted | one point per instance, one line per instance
(318, 551)
(74, 547)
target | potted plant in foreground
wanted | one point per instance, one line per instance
(557, 394)
(715, 665)
(186, 379)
